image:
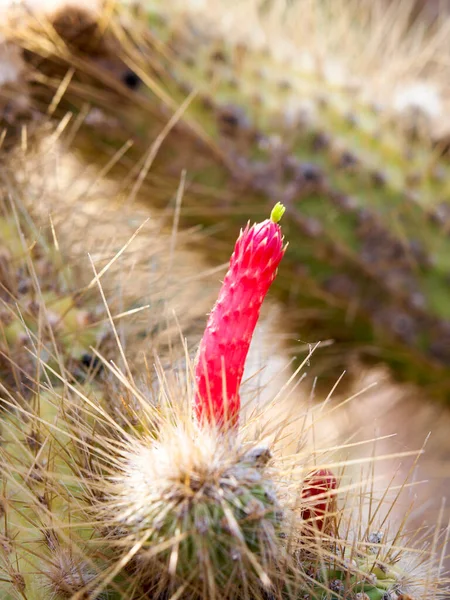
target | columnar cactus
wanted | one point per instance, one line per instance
(44, 526)
(366, 190)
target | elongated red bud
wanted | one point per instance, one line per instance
(225, 343)
(318, 496)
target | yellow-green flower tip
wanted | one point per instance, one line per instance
(277, 212)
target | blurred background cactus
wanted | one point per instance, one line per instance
(366, 186)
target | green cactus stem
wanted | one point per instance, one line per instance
(44, 528)
(366, 192)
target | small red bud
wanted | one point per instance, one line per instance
(319, 499)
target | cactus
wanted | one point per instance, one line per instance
(43, 316)
(366, 190)
(170, 509)
(148, 502)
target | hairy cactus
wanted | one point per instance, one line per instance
(366, 189)
(137, 499)
(172, 510)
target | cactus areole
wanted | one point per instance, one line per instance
(225, 343)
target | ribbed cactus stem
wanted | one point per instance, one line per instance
(43, 527)
(231, 323)
(367, 198)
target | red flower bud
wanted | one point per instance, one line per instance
(319, 499)
(225, 343)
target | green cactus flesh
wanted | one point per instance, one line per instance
(40, 313)
(366, 193)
